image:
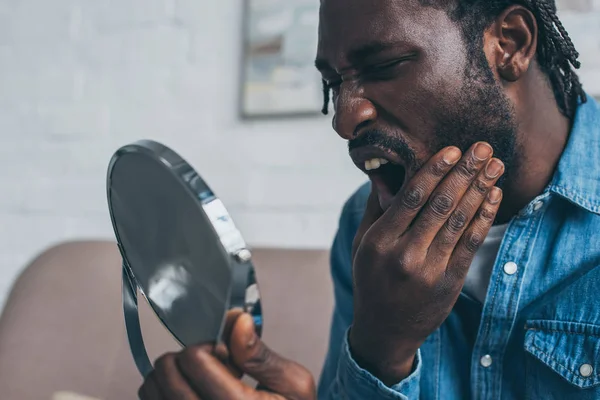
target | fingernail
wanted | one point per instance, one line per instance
(482, 151)
(252, 341)
(451, 155)
(494, 195)
(251, 336)
(493, 169)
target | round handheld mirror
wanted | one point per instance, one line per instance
(180, 248)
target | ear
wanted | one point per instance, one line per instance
(516, 33)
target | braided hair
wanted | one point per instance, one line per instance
(556, 54)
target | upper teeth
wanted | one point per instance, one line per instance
(375, 163)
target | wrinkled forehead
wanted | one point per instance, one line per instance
(345, 25)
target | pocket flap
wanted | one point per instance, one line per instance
(570, 349)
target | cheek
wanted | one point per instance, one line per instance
(407, 108)
(405, 98)
(435, 80)
(416, 102)
(409, 102)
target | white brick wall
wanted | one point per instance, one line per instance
(79, 78)
(581, 18)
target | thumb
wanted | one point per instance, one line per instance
(372, 213)
(268, 368)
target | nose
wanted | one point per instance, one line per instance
(352, 111)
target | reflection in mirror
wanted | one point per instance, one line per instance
(168, 285)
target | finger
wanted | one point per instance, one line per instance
(372, 212)
(150, 390)
(411, 198)
(473, 236)
(272, 371)
(221, 350)
(211, 379)
(230, 318)
(447, 195)
(453, 228)
(170, 380)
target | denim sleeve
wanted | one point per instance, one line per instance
(342, 377)
(353, 382)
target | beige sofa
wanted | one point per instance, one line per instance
(62, 334)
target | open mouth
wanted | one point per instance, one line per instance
(385, 171)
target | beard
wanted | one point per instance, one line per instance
(482, 112)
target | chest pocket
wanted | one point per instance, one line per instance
(563, 360)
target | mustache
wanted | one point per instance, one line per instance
(374, 137)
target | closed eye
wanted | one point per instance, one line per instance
(382, 66)
(382, 71)
(385, 70)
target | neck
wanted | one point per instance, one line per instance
(542, 137)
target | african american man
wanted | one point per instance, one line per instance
(469, 266)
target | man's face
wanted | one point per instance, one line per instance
(404, 87)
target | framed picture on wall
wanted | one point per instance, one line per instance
(278, 73)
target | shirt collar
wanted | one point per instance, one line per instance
(577, 177)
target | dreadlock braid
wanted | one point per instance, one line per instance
(326, 97)
(568, 46)
(560, 57)
(556, 53)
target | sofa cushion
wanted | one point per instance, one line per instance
(62, 327)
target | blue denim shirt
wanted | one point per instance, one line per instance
(538, 333)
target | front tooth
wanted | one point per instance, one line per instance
(383, 161)
(375, 163)
(368, 165)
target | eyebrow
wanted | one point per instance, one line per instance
(358, 55)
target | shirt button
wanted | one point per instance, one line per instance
(586, 370)
(486, 361)
(538, 205)
(510, 268)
